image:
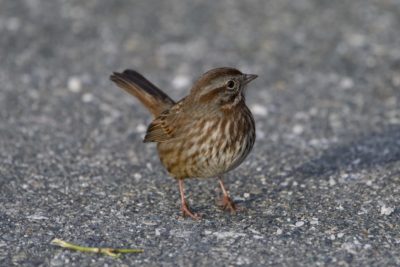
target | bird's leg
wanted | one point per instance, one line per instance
(184, 207)
(226, 202)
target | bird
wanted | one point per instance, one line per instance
(206, 134)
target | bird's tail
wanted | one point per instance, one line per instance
(155, 100)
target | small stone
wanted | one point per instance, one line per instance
(386, 210)
(141, 128)
(181, 81)
(356, 39)
(298, 129)
(149, 166)
(74, 84)
(284, 183)
(259, 110)
(37, 217)
(241, 260)
(87, 97)
(150, 223)
(396, 80)
(279, 231)
(346, 83)
(157, 232)
(313, 111)
(340, 207)
(299, 223)
(340, 235)
(223, 235)
(254, 231)
(137, 176)
(246, 195)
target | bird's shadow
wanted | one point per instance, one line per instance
(365, 152)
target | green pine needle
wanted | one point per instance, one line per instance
(113, 252)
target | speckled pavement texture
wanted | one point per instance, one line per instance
(321, 187)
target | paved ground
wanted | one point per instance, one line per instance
(322, 186)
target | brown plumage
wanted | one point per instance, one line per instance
(155, 100)
(205, 134)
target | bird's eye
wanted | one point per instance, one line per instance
(231, 84)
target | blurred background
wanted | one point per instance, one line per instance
(325, 103)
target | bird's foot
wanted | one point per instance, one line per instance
(227, 204)
(187, 212)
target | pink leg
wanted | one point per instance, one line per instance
(226, 203)
(184, 207)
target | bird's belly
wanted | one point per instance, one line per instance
(207, 155)
(221, 158)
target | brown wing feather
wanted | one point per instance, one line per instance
(164, 128)
(158, 130)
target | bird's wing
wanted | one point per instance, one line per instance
(167, 126)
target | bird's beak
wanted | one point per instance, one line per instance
(248, 78)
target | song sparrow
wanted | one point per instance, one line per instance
(205, 134)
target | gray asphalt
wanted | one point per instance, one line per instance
(321, 187)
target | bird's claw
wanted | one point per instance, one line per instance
(187, 212)
(227, 204)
